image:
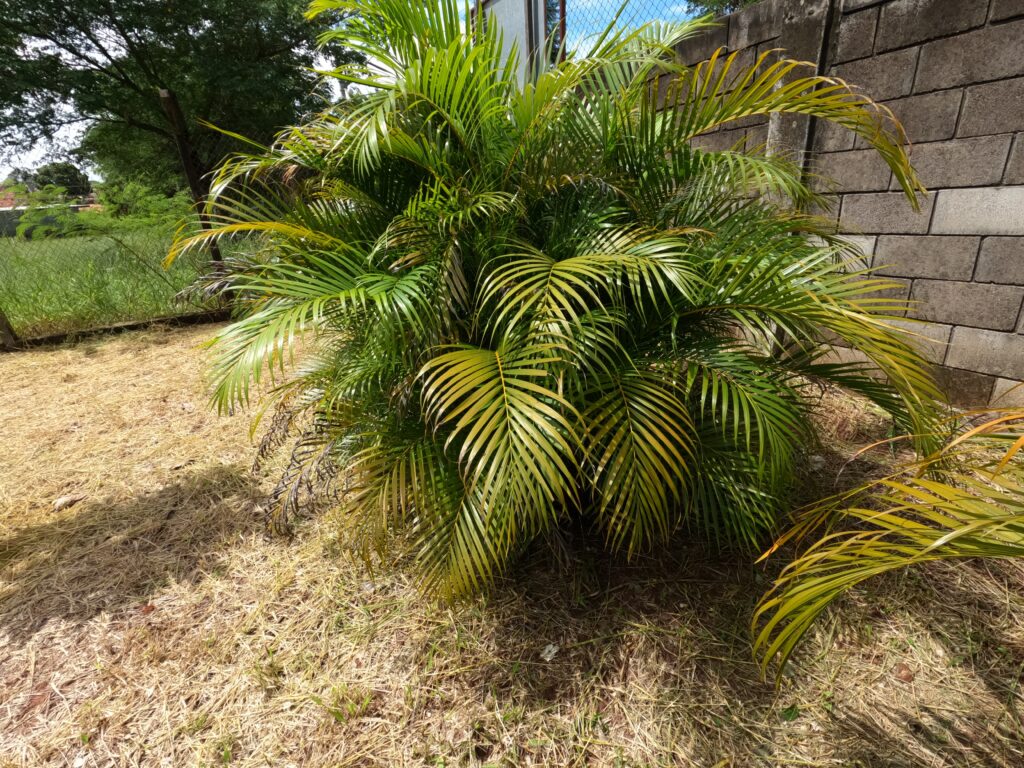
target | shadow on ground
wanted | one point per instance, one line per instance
(105, 555)
(661, 650)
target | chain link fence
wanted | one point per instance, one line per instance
(76, 264)
(584, 20)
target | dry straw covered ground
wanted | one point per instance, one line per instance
(153, 623)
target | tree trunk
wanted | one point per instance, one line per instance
(189, 163)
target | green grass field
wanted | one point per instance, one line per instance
(75, 283)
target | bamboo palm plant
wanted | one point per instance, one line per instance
(484, 307)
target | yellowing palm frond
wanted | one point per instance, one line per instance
(973, 507)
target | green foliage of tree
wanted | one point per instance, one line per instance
(523, 304)
(243, 65)
(965, 500)
(69, 177)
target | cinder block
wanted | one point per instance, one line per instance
(1015, 165)
(966, 389)
(899, 290)
(980, 305)
(930, 339)
(992, 352)
(856, 35)
(989, 53)
(1001, 261)
(961, 162)
(940, 258)
(993, 108)
(1007, 9)
(755, 24)
(1008, 393)
(829, 137)
(864, 243)
(884, 213)
(829, 209)
(757, 136)
(928, 117)
(979, 211)
(700, 48)
(861, 171)
(913, 21)
(719, 141)
(888, 76)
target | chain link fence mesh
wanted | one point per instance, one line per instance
(75, 264)
(586, 19)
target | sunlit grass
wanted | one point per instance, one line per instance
(74, 283)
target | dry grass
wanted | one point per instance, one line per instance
(154, 624)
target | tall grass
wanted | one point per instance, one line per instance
(55, 285)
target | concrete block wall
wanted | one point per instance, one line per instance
(952, 71)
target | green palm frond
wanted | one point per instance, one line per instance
(510, 431)
(640, 442)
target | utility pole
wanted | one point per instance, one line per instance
(189, 163)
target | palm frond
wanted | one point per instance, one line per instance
(909, 519)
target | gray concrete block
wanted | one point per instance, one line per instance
(860, 171)
(718, 141)
(993, 108)
(980, 305)
(989, 53)
(961, 162)
(700, 48)
(864, 243)
(1001, 260)
(966, 389)
(913, 21)
(856, 5)
(930, 339)
(755, 24)
(884, 213)
(757, 136)
(1008, 393)
(898, 289)
(829, 208)
(941, 258)
(829, 137)
(979, 211)
(991, 352)
(1007, 9)
(928, 117)
(1015, 165)
(888, 76)
(856, 35)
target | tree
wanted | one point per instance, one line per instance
(963, 501)
(242, 65)
(71, 179)
(518, 305)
